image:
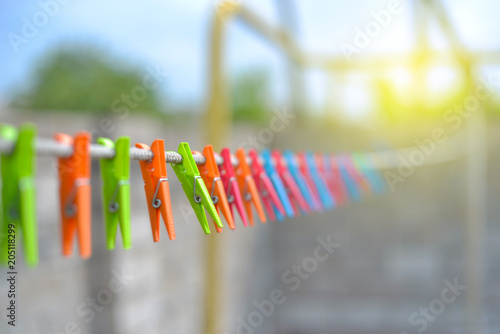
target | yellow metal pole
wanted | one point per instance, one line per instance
(217, 126)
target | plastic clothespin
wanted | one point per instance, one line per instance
(323, 191)
(248, 188)
(154, 174)
(324, 175)
(350, 184)
(339, 181)
(74, 190)
(194, 188)
(116, 191)
(358, 177)
(18, 192)
(332, 178)
(304, 168)
(231, 185)
(277, 182)
(369, 173)
(266, 189)
(297, 175)
(292, 188)
(211, 175)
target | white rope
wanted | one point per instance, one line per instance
(378, 160)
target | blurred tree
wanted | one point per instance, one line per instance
(250, 96)
(83, 78)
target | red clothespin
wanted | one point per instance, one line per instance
(74, 193)
(231, 185)
(304, 168)
(248, 187)
(325, 174)
(211, 176)
(338, 182)
(265, 187)
(154, 173)
(294, 193)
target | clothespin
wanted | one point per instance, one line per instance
(304, 168)
(211, 175)
(361, 181)
(266, 189)
(74, 190)
(333, 178)
(291, 186)
(323, 191)
(277, 182)
(194, 188)
(248, 188)
(18, 193)
(116, 191)
(324, 173)
(339, 180)
(293, 167)
(365, 167)
(231, 185)
(352, 188)
(154, 174)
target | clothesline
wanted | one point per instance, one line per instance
(386, 159)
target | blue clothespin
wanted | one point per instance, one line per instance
(294, 169)
(278, 184)
(324, 192)
(365, 165)
(352, 188)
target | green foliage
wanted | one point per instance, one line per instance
(250, 95)
(81, 78)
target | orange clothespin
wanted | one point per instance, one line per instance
(248, 187)
(211, 176)
(154, 173)
(74, 192)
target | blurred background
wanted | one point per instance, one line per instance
(360, 76)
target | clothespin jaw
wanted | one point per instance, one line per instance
(74, 190)
(194, 188)
(154, 174)
(266, 188)
(116, 191)
(291, 186)
(248, 188)
(278, 184)
(305, 169)
(293, 167)
(211, 176)
(18, 192)
(231, 185)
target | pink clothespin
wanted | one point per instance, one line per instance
(296, 197)
(231, 185)
(304, 168)
(266, 189)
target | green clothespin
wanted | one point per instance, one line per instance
(194, 188)
(116, 191)
(18, 192)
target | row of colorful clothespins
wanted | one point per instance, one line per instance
(281, 185)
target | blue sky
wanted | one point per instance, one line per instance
(173, 35)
